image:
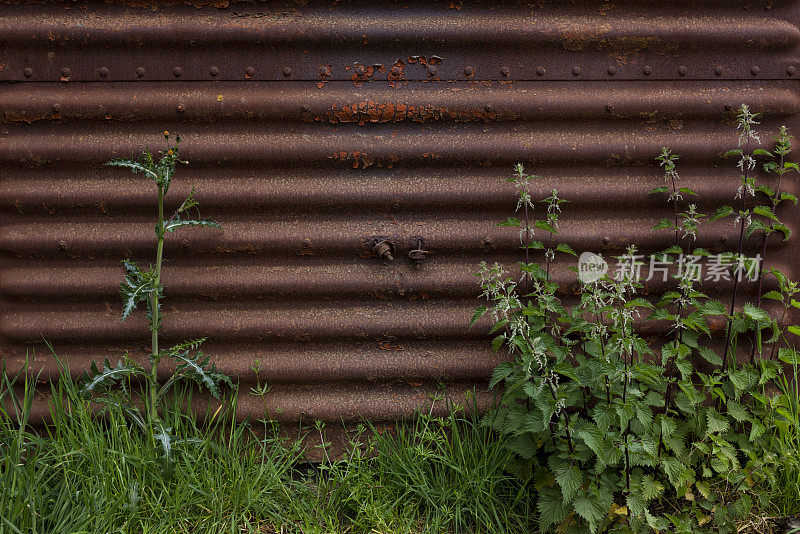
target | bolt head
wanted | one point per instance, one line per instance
(324, 70)
(65, 72)
(177, 72)
(27, 72)
(576, 70)
(647, 70)
(361, 70)
(488, 108)
(612, 70)
(540, 71)
(56, 109)
(755, 70)
(791, 70)
(287, 71)
(468, 71)
(103, 72)
(249, 72)
(140, 72)
(181, 108)
(505, 71)
(682, 70)
(304, 109)
(432, 70)
(718, 70)
(213, 71)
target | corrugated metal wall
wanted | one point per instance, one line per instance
(314, 128)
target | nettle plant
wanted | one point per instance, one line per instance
(625, 434)
(141, 285)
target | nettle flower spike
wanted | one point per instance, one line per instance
(745, 120)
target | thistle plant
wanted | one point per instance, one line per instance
(616, 432)
(144, 285)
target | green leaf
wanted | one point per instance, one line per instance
(501, 372)
(663, 223)
(710, 355)
(137, 286)
(552, 509)
(761, 152)
(563, 247)
(651, 488)
(171, 226)
(101, 378)
(737, 411)
(199, 369)
(774, 295)
(789, 356)
(570, 479)
(544, 225)
(511, 221)
(592, 507)
(134, 166)
(789, 197)
(687, 191)
(734, 152)
(764, 211)
(756, 314)
(534, 245)
(479, 312)
(662, 189)
(716, 422)
(724, 211)
(783, 229)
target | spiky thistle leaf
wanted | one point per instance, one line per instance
(199, 369)
(100, 378)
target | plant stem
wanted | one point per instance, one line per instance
(154, 309)
(738, 258)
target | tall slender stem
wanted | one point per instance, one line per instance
(737, 273)
(154, 312)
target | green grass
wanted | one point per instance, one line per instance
(87, 473)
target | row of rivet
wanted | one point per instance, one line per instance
(325, 71)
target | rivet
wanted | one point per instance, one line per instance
(396, 70)
(56, 109)
(647, 70)
(324, 70)
(180, 108)
(576, 70)
(28, 72)
(612, 70)
(682, 70)
(488, 108)
(791, 70)
(249, 71)
(177, 71)
(609, 108)
(468, 72)
(718, 70)
(65, 72)
(606, 241)
(431, 70)
(540, 71)
(287, 71)
(505, 71)
(140, 72)
(361, 70)
(213, 71)
(103, 72)
(304, 109)
(754, 70)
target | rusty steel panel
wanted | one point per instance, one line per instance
(314, 131)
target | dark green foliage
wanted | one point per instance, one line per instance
(619, 433)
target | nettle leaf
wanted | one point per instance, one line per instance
(544, 225)
(480, 311)
(716, 423)
(724, 211)
(552, 509)
(101, 378)
(756, 314)
(789, 197)
(668, 426)
(563, 247)
(570, 479)
(199, 369)
(783, 229)
(687, 191)
(651, 488)
(765, 211)
(737, 411)
(710, 355)
(594, 506)
(734, 152)
(534, 245)
(712, 307)
(789, 356)
(511, 221)
(773, 295)
(662, 189)
(663, 223)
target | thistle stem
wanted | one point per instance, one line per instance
(154, 315)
